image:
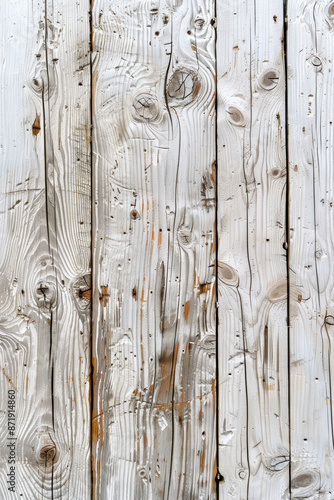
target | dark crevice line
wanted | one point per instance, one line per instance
(244, 333)
(287, 219)
(250, 152)
(245, 349)
(45, 170)
(218, 477)
(90, 326)
(47, 209)
(330, 381)
(177, 308)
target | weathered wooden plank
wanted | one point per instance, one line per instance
(45, 247)
(253, 429)
(153, 286)
(311, 112)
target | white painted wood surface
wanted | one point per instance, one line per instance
(311, 114)
(253, 433)
(154, 276)
(45, 247)
(118, 399)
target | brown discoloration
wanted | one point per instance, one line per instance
(214, 171)
(186, 309)
(202, 458)
(331, 10)
(94, 78)
(85, 293)
(36, 126)
(142, 303)
(167, 370)
(203, 287)
(8, 378)
(214, 474)
(104, 295)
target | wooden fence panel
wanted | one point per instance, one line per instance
(310, 53)
(154, 277)
(253, 431)
(45, 249)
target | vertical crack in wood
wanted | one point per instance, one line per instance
(91, 377)
(46, 131)
(218, 477)
(287, 220)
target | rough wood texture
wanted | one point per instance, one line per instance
(154, 287)
(311, 115)
(253, 432)
(45, 247)
(145, 426)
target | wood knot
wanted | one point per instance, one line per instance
(227, 274)
(236, 116)
(142, 473)
(134, 214)
(145, 107)
(316, 62)
(182, 87)
(36, 126)
(199, 23)
(330, 10)
(185, 236)
(278, 292)
(47, 454)
(37, 84)
(208, 344)
(306, 484)
(82, 291)
(275, 172)
(329, 320)
(45, 295)
(269, 79)
(278, 463)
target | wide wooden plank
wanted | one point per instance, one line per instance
(45, 249)
(253, 429)
(154, 253)
(310, 52)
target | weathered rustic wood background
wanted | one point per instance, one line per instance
(167, 249)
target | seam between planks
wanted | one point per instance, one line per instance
(218, 477)
(91, 389)
(287, 219)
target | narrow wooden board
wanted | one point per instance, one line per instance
(310, 53)
(253, 432)
(45, 249)
(154, 254)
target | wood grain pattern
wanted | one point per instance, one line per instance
(170, 87)
(154, 286)
(311, 109)
(253, 432)
(45, 246)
